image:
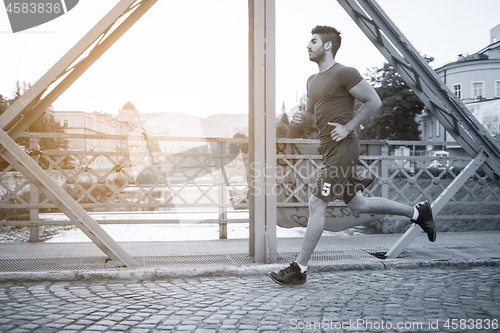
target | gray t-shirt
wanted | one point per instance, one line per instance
(328, 92)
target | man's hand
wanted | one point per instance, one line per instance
(339, 132)
(299, 117)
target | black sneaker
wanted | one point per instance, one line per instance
(425, 220)
(290, 275)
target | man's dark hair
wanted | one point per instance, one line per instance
(328, 34)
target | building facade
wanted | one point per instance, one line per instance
(79, 122)
(475, 79)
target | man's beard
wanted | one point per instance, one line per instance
(317, 57)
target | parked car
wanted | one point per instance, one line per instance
(436, 168)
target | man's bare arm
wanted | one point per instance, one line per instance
(364, 93)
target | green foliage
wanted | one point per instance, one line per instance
(282, 126)
(243, 146)
(287, 129)
(300, 131)
(396, 119)
(46, 123)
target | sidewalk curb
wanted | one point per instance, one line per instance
(259, 269)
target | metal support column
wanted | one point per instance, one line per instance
(34, 197)
(262, 130)
(223, 185)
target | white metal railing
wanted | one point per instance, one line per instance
(204, 180)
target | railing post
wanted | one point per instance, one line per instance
(222, 193)
(34, 196)
(384, 172)
(374, 148)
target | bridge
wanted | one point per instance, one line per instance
(263, 209)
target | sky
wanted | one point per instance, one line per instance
(191, 56)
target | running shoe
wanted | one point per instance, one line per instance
(290, 275)
(425, 220)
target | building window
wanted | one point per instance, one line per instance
(65, 122)
(477, 90)
(438, 128)
(497, 88)
(457, 88)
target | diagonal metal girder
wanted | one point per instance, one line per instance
(31, 170)
(438, 204)
(445, 106)
(31, 105)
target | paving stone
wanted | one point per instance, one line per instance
(121, 327)
(75, 327)
(99, 328)
(19, 330)
(172, 322)
(248, 327)
(165, 327)
(228, 327)
(145, 326)
(139, 330)
(186, 327)
(6, 327)
(29, 326)
(84, 322)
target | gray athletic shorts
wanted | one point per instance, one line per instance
(338, 178)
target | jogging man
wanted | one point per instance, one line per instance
(331, 94)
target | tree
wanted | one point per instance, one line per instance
(287, 129)
(396, 119)
(46, 123)
(282, 126)
(243, 146)
(301, 131)
(3, 104)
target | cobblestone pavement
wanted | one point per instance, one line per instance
(329, 300)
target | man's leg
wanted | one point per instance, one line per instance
(294, 274)
(315, 227)
(375, 205)
(420, 214)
